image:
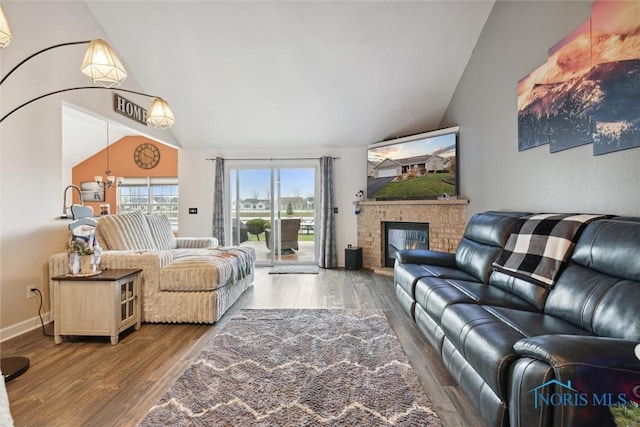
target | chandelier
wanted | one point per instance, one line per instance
(108, 181)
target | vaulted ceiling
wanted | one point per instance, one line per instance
(310, 73)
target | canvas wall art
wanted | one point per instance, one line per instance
(533, 116)
(615, 34)
(570, 90)
(588, 90)
(91, 191)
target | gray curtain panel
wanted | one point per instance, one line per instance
(218, 202)
(326, 244)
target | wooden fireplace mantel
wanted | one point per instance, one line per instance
(449, 201)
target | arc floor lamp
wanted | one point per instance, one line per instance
(102, 66)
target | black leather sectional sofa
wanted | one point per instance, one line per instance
(526, 354)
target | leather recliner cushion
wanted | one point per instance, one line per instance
(485, 335)
(492, 409)
(406, 275)
(610, 247)
(604, 305)
(483, 240)
(434, 295)
(532, 293)
(600, 289)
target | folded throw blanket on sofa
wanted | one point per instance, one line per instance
(541, 247)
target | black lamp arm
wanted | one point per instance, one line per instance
(38, 53)
(68, 90)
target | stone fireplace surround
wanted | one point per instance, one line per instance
(446, 218)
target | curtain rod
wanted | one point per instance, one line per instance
(276, 158)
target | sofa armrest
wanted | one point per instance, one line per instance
(425, 256)
(562, 350)
(596, 372)
(595, 365)
(196, 242)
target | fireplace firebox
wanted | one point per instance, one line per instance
(403, 235)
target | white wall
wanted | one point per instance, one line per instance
(31, 147)
(494, 175)
(196, 178)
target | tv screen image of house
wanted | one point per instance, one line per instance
(421, 166)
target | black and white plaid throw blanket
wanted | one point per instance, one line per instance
(544, 243)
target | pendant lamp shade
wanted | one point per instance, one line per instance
(160, 115)
(5, 31)
(102, 66)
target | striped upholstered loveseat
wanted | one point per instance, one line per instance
(187, 280)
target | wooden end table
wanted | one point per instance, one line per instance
(104, 304)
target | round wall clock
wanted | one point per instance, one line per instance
(146, 155)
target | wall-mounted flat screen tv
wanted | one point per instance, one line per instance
(421, 166)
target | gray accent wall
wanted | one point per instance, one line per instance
(493, 174)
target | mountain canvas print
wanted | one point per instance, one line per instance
(615, 35)
(533, 114)
(570, 95)
(588, 90)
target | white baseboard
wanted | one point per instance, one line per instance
(24, 327)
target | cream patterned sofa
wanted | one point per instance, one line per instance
(184, 280)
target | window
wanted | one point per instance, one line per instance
(151, 195)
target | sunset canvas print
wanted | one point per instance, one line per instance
(616, 59)
(533, 118)
(570, 90)
(588, 90)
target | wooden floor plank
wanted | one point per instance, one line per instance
(87, 381)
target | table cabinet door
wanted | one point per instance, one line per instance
(86, 308)
(128, 306)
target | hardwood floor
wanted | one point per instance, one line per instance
(88, 382)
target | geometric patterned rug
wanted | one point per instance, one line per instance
(298, 367)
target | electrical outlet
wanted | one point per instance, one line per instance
(31, 293)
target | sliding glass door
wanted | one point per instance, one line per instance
(272, 209)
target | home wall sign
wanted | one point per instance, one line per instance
(129, 109)
(587, 92)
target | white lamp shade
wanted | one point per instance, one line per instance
(160, 114)
(97, 178)
(5, 31)
(102, 66)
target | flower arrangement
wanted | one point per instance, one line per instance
(80, 247)
(84, 255)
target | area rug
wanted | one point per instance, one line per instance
(295, 269)
(298, 368)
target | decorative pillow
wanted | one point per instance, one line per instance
(127, 231)
(161, 232)
(102, 241)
